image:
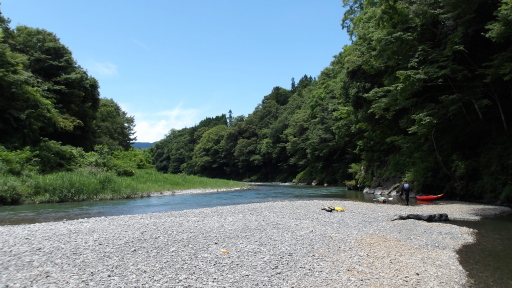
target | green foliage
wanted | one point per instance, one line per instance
(24, 112)
(79, 185)
(423, 92)
(114, 128)
(506, 195)
(358, 176)
(123, 163)
(426, 106)
(45, 94)
(11, 190)
(174, 153)
(141, 158)
(305, 177)
(55, 157)
(17, 162)
(72, 95)
(89, 184)
(208, 154)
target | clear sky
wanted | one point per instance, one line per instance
(172, 63)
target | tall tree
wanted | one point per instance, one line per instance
(113, 127)
(73, 93)
(424, 91)
(24, 111)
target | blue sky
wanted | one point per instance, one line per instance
(171, 63)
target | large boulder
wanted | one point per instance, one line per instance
(384, 186)
(395, 189)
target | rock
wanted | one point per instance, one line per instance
(379, 191)
(425, 217)
(367, 190)
(394, 189)
(383, 185)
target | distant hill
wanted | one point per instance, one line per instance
(142, 145)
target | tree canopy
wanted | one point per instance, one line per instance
(45, 94)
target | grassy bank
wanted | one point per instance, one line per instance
(90, 184)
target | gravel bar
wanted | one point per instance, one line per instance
(275, 244)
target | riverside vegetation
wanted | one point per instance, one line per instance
(422, 91)
(59, 141)
(97, 175)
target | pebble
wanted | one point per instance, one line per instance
(275, 244)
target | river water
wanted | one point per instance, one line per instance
(488, 261)
(37, 213)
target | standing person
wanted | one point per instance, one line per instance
(406, 188)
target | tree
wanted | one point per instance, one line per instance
(230, 118)
(113, 127)
(59, 80)
(24, 111)
(174, 153)
(208, 154)
(416, 77)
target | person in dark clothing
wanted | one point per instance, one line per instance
(406, 189)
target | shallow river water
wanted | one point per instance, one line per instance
(37, 213)
(488, 261)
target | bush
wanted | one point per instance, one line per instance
(123, 163)
(138, 158)
(101, 158)
(125, 171)
(506, 195)
(55, 157)
(17, 162)
(11, 190)
(306, 176)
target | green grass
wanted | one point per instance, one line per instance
(147, 181)
(91, 185)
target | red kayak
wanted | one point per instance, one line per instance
(429, 197)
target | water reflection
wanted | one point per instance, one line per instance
(488, 261)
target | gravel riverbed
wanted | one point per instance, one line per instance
(275, 244)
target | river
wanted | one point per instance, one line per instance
(488, 261)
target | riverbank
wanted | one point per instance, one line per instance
(194, 191)
(95, 185)
(274, 244)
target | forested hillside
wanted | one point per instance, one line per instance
(423, 91)
(46, 96)
(59, 140)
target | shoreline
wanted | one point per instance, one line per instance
(192, 191)
(274, 244)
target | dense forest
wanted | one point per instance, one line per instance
(423, 91)
(51, 112)
(45, 94)
(59, 140)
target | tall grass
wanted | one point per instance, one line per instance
(148, 180)
(91, 184)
